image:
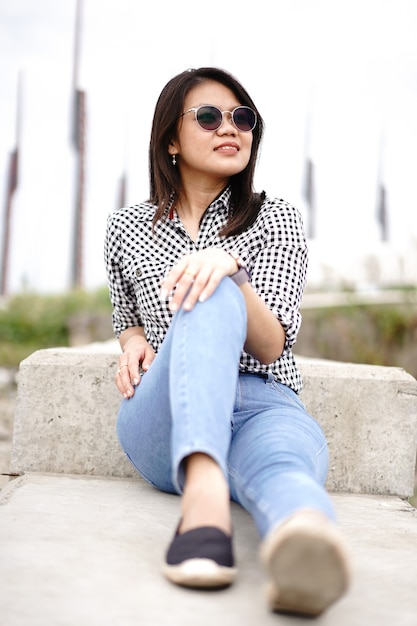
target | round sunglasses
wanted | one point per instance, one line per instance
(210, 117)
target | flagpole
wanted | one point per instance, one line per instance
(78, 139)
(121, 195)
(12, 182)
(309, 194)
(308, 174)
(382, 207)
(122, 184)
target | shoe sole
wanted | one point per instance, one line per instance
(308, 566)
(200, 573)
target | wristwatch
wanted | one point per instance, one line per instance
(242, 275)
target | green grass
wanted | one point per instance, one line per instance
(376, 334)
(30, 322)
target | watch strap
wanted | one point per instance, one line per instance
(241, 276)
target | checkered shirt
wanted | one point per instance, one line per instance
(273, 248)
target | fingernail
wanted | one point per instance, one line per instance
(135, 381)
(173, 306)
(163, 293)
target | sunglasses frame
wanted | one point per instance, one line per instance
(212, 106)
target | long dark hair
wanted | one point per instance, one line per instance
(165, 179)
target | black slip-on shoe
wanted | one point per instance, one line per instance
(202, 558)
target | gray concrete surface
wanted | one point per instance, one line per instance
(86, 551)
(82, 539)
(67, 405)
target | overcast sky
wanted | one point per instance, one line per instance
(348, 67)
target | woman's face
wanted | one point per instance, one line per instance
(213, 155)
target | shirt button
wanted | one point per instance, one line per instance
(138, 273)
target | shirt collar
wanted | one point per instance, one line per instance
(222, 201)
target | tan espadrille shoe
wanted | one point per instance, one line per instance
(307, 564)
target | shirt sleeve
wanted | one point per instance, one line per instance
(280, 268)
(121, 292)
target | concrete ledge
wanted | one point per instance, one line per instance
(65, 417)
(67, 405)
(369, 414)
(86, 551)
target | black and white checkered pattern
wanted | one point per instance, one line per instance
(274, 249)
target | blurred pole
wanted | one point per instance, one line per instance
(308, 188)
(122, 186)
(309, 197)
(383, 211)
(78, 139)
(381, 200)
(12, 183)
(121, 196)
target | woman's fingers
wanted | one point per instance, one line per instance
(128, 374)
(195, 278)
(124, 382)
(189, 289)
(175, 274)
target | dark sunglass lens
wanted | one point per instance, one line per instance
(209, 117)
(244, 118)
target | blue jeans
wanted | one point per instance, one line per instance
(193, 399)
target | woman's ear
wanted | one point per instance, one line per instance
(172, 147)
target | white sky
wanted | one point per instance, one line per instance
(351, 66)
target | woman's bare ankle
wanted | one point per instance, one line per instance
(206, 498)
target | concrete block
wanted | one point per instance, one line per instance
(369, 414)
(66, 411)
(67, 405)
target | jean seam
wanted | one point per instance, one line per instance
(141, 472)
(295, 401)
(322, 449)
(183, 392)
(250, 494)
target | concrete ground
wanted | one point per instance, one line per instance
(84, 551)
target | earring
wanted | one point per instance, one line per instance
(174, 160)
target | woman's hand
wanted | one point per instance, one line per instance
(196, 277)
(136, 352)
